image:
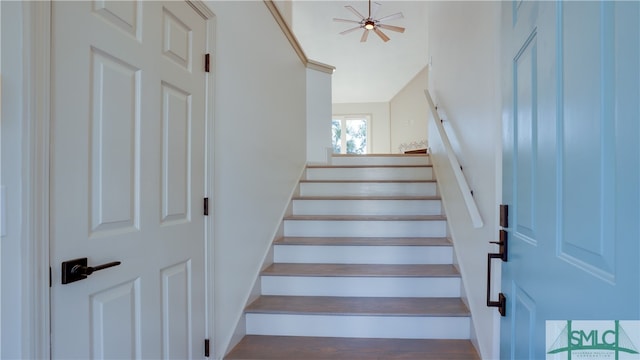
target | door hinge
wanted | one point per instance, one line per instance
(206, 206)
(207, 62)
(206, 347)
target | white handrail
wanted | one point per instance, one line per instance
(472, 208)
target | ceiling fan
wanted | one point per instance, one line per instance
(370, 23)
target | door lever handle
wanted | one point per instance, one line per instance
(88, 270)
(501, 304)
(77, 269)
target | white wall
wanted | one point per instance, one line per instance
(285, 7)
(260, 149)
(379, 129)
(408, 112)
(318, 115)
(464, 79)
(13, 179)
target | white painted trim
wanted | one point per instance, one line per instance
(36, 105)
(367, 286)
(201, 8)
(359, 326)
(472, 208)
(209, 171)
(316, 65)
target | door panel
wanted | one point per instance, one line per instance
(525, 91)
(115, 136)
(115, 315)
(570, 136)
(587, 144)
(127, 179)
(176, 123)
(176, 311)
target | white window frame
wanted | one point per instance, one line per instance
(343, 135)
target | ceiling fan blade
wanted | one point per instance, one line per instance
(382, 35)
(350, 30)
(365, 34)
(375, 6)
(345, 20)
(392, 17)
(392, 28)
(353, 10)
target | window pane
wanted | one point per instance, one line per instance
(336, 134)
(356, 136)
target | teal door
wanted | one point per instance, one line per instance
(571, 109)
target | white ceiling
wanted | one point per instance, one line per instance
(373, 71)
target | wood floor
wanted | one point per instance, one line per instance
(255, 347)
(364, 241)
(317, 305)
(362, 270)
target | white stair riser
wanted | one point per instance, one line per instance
(361, 286)
(367, 228)
(374, 173)
(380, 160)
(367, 207)
(363, 254)
(402, 327)
(369, 189)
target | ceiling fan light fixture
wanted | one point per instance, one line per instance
(371, 23)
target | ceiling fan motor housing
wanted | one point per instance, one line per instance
(369, 24)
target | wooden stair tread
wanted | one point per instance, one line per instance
(367, 217)
(373, 306)
(366, 197)
(379, 155)
(368, 181)
(361, 270)
(255, 347)
(367, 166)
(363, 241)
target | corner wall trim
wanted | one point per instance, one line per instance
(310, 64)
(315, 65)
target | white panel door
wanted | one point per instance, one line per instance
(127, 179)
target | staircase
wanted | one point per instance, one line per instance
(364, 270)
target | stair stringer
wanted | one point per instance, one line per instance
(448, 196)
(240, 329)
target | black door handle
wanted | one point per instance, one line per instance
(88, 270)
(77, 269)
(501, 304)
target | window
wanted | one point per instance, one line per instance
(349, 134)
